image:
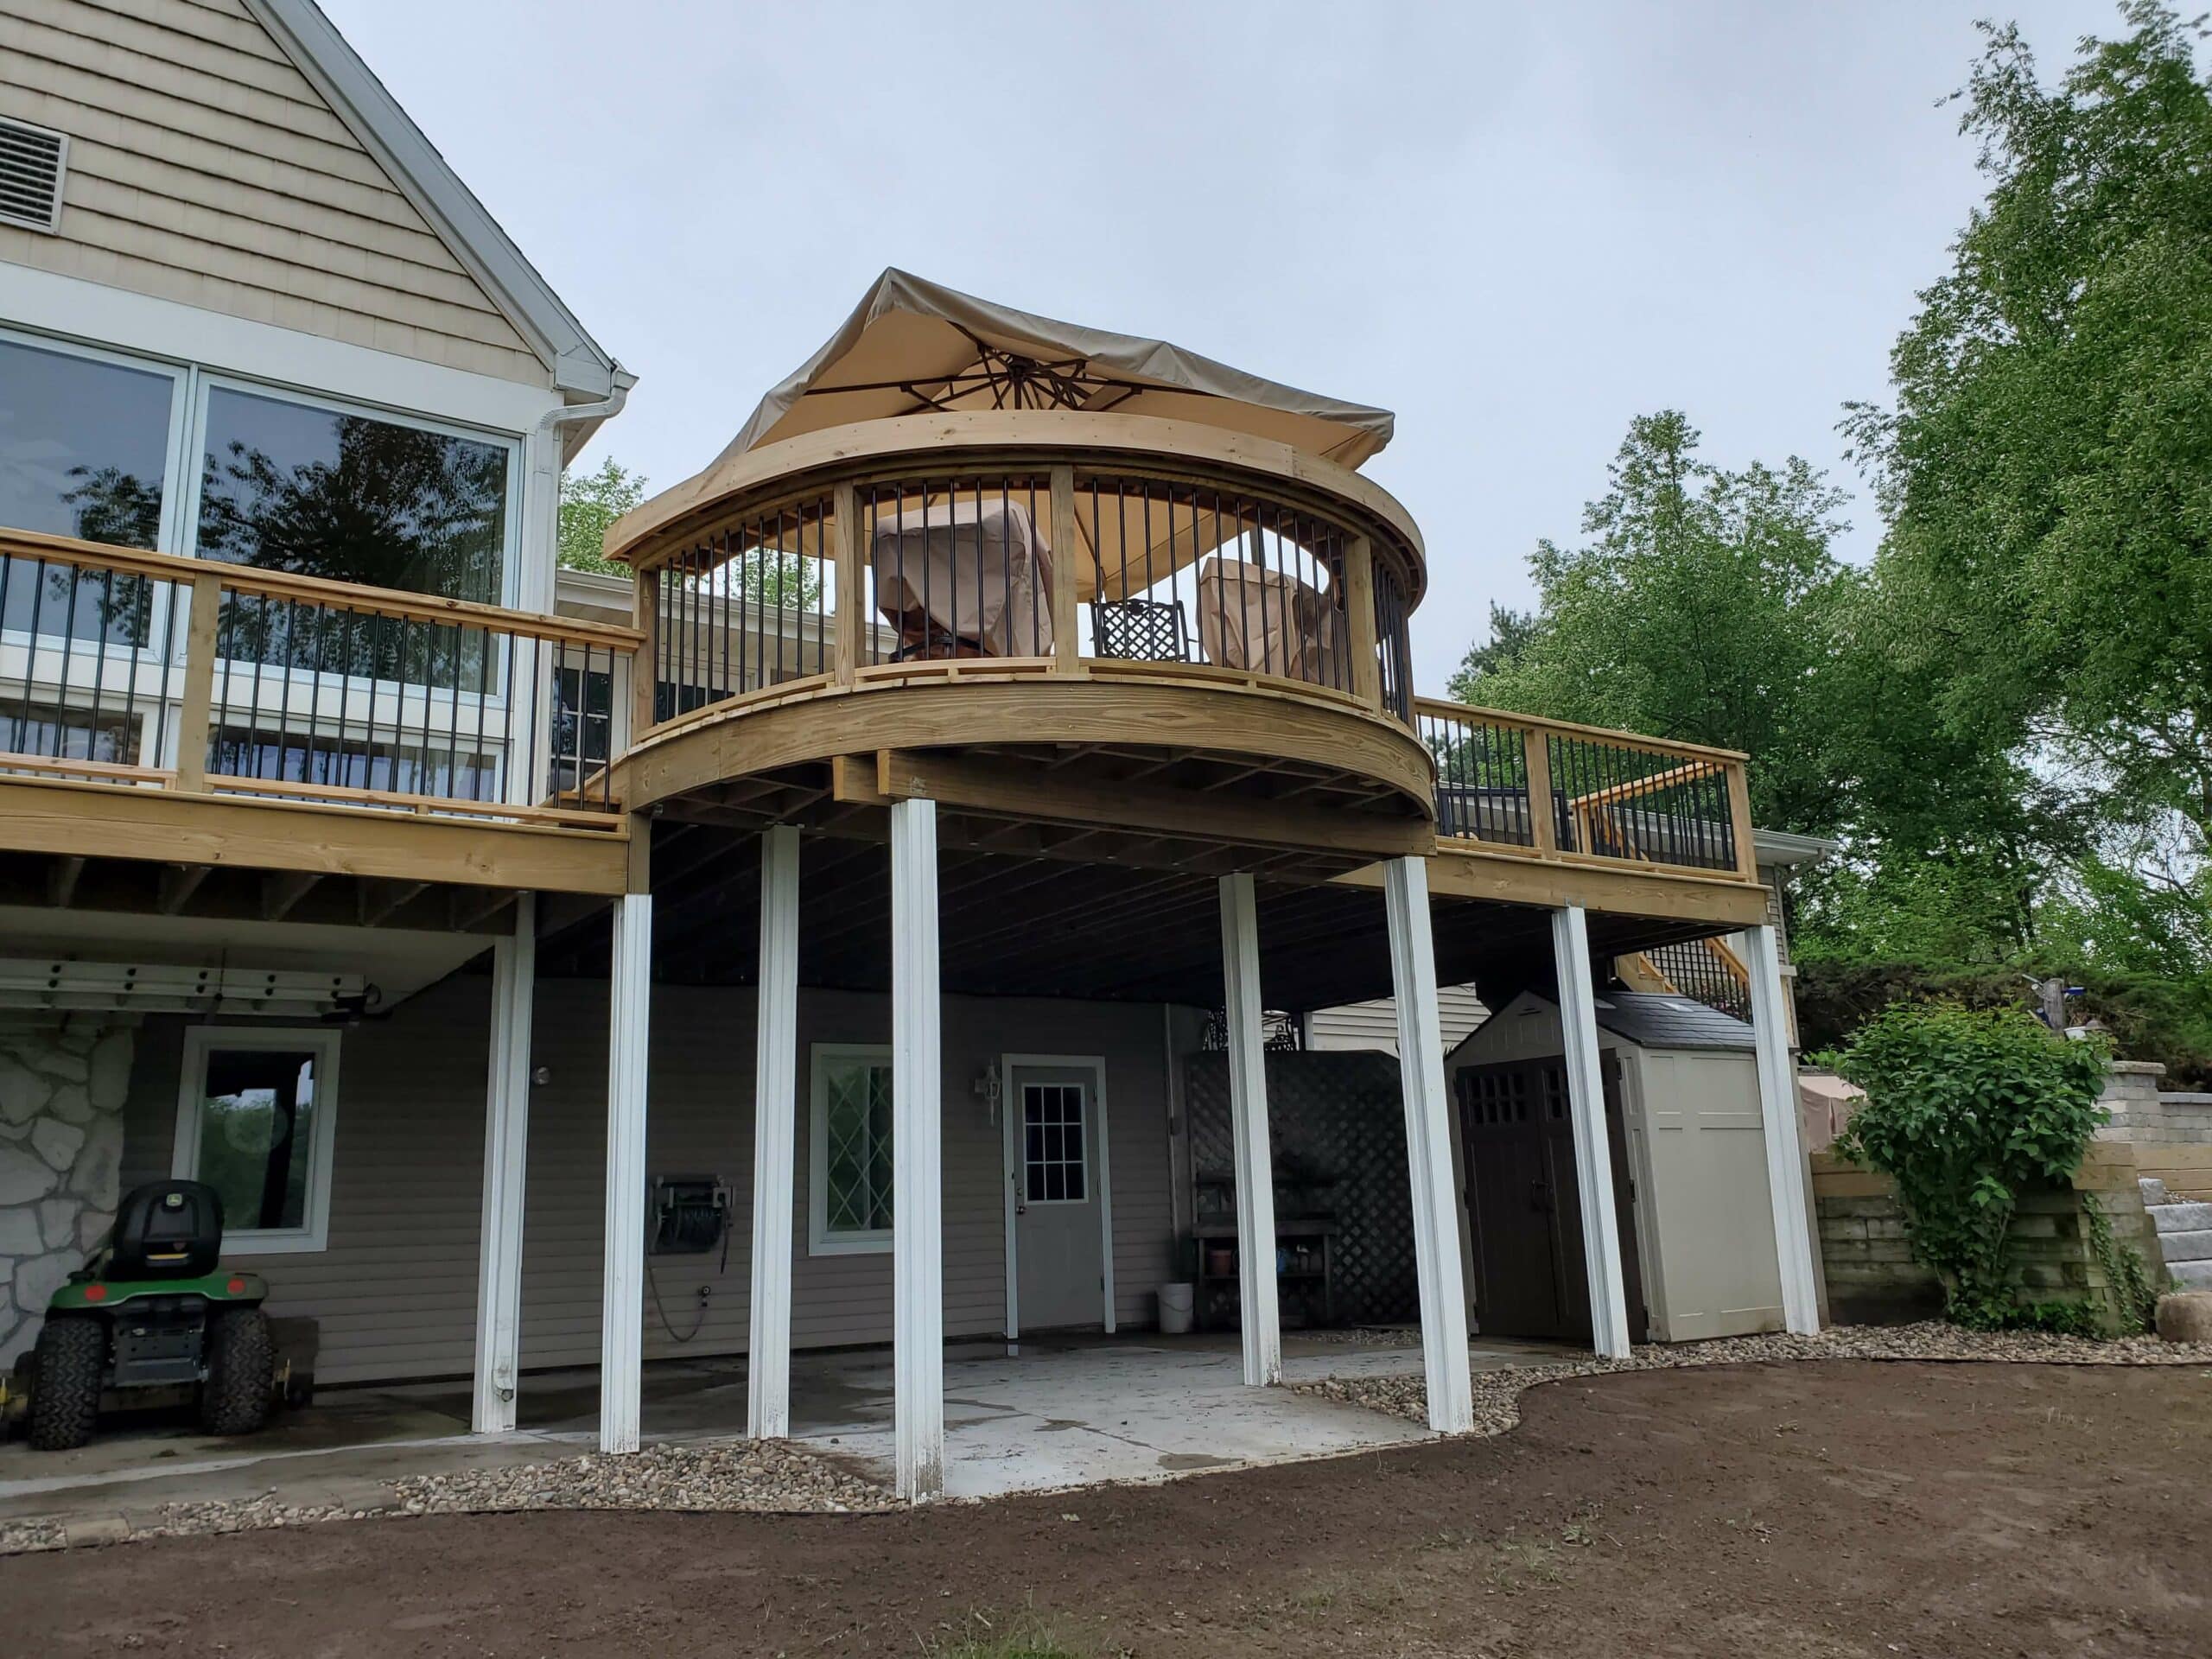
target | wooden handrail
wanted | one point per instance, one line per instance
(316, 590)
(1445, 709)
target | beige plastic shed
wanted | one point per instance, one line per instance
(1688, 1157)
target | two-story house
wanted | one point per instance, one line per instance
(1011, 711)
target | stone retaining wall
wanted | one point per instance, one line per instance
(62, 1082)
(1867, 1258)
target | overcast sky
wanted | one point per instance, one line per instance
(1515, 225)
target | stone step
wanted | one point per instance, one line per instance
(2154, 1190)
(2186, 1246)
(2191, 1276)
(2180, 1218)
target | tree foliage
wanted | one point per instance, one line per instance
(2047, 468)
(1703, 605)
(2006, 720)
(589, 503)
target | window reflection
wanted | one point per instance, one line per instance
(318, 492)
(83, 447)
(285, 487)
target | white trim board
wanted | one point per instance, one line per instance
(1010, 1168)
(96, 314)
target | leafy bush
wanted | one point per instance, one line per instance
(1965, 1107)
(2150, 1017)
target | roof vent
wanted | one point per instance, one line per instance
(32, 161)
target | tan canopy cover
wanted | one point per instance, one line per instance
(913, 346)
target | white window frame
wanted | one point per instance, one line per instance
(820, 1241)
(313, 1234)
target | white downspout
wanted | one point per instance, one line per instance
(541, 518)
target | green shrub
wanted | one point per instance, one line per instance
(2150, 1017)
(1966, 1108)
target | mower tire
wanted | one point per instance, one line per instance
(241, 1372)
(70, 1371)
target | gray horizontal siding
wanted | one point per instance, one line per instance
(394, 1292)
(205, 167)
(1374, 1025)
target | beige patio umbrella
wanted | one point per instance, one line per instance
(911, 347)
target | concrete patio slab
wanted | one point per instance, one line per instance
(1058, 1413)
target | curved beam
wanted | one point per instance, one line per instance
(829, 720)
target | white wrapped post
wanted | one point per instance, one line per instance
(506, 1135)
(1428, 1148)
(1593, 1160)
(917, 1157)
(775, 1130)
(1259, 1315)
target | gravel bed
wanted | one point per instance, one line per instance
(18, 1536)
(758, 1477)
(1498, 1392)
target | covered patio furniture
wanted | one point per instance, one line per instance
(964, 578)
(1266, 622)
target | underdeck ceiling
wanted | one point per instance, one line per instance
(1019, 924)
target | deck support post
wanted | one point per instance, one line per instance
(1428, 1148)
(917, 1157)
(1259, 1317)
(775, 1131)
(1593, 1158)
(1785, 1155)
(622, 1314)
(506, 1133)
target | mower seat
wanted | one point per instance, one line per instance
(164, 1230)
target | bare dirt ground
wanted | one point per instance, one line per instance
(1822, 1508)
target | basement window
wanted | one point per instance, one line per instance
(256, 1118)
(850, 1212)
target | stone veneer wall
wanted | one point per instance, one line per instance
(63, 1078)
(1866, 1256)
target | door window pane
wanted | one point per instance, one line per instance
(319, 492)
(1054, 1143)
(83, 447)
(256, 1135)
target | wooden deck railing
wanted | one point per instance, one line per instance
(1030, 558)
(132, 668)
(1551, 789)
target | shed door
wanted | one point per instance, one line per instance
(1524, 1204)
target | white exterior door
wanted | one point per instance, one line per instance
(1053, 1171)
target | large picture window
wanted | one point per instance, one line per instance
(256, 1117)
(84, 451)
(320, 492)
(850, 1150)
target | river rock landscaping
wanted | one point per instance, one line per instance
(1498, 1392)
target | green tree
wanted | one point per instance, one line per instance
(2047, 468)
(1703, 606)
(589, 503)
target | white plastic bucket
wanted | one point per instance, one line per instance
(1174, 1309)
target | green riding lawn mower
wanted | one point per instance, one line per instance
(151, 1318)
